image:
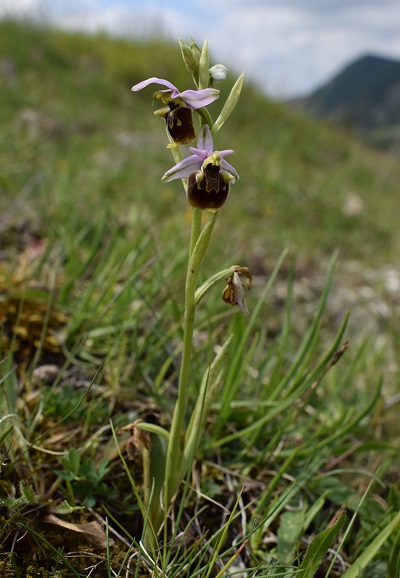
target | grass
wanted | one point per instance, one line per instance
(91, 275)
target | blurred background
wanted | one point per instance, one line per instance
(289, 48)
(315, 134)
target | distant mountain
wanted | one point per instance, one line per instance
(364, 96)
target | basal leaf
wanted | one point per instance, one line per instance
(319, 547)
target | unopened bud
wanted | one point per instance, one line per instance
(218, 74)
(191, 57)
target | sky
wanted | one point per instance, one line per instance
(287, 47)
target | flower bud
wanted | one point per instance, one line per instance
(191, 56)
(218, 74)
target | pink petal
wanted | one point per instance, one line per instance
(202, 154)
(229, 169)
(155, 80)
(225, 153)
(205, 140)
(183, 169)
(198, 98)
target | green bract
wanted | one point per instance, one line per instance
(229, 105)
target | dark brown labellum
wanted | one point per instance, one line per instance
(180, 124)
(209, 193)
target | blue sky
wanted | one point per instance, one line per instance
(288, 47)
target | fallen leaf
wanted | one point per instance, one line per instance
(92, 530)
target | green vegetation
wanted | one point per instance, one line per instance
(92, 270)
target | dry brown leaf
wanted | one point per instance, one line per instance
(137, 441)
(92, 530)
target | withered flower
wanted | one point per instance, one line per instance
(235, 292)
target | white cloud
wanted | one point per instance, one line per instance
(20, 7)
(287, 46)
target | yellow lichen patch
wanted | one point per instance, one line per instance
(29, 322)
(29, 318)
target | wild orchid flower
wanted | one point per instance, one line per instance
(207, 177)
(178, 113)
(208, 173)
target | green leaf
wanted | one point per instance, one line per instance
(208, 389)
(318, 548)
(290, 531)
(153, 428)
(229, 105)
(210, 282)
(5, 433)
(88, 471)
(69, 476)
(27, 493)
(374, 548)
(65, 508)
(231, 382)
(103, 468)
(314, 509)
(394, 558)
(72, 462)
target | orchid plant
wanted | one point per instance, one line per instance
(206, 178)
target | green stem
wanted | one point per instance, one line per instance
(175, 150)
(146, 458)
(196, 213)
(174, 453)
(196, 228)
(205, 117)
(177, 154)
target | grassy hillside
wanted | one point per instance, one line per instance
(67, 111)
(93, 250)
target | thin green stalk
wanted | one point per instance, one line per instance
(205, 117)
(174, 446)
(177, 154)
(195, 230)
(147, 481)
(196, 213)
